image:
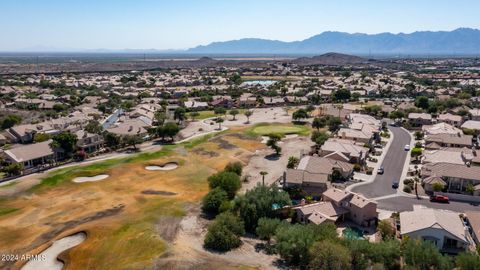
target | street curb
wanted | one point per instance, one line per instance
(405, 168)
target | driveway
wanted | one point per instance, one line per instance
(393, 164)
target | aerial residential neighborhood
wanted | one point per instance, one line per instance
(240, 135)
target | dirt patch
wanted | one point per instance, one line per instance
(167, 227)
(203, 152)
(158, 192)
(223, 144)
(63, 227)
(241, 136)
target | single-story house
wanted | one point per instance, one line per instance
(448, 140)
(30, 155)
(445, 229)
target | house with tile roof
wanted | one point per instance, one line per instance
(445, 229)
(338, 205)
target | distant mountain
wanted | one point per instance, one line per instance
(330, 59)
(459, 41)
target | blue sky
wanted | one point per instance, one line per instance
(177, 24)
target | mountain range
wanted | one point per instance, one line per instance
(459, 41)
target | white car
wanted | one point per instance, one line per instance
(407, 147)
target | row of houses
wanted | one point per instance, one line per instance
(335, 161)
(426, 119)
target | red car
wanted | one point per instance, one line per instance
(439, 198)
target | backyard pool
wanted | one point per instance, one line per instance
(353, 233)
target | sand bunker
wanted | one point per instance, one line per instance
(165, 167)
(90, 178)
(48, 258)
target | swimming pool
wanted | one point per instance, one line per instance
(353, 233)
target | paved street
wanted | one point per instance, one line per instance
(402, 203)
(393, 163)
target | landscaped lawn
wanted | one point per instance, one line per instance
(265, 129)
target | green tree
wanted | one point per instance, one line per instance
(170, 129)
(328, 255)
(132, 140)
(247, 114)
(179, 114)
(334, 123)
(40, 137)
(422, 102)
(111, 140)
(419, 135)
(363, 253)
(235, 167)
(224, 233)
(213, 200)
(266, 227)
(416, 152)
(470, 188)
(9, 121)
(300, 114)
(319, 123)
(219, 111)
(292, 162)
(257, 203)
(424, 255)
(386, 229)
(467, 261)
(93, 126)
(160, 117)
(341, 95)
(272, 142)
(219, 120)
(437, 187)
(294, 241)
(66, 141)
(396, 115)
(319, 138)
(13, 169)
(228, 181)
(234, 113)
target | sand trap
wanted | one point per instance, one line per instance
(165, 167)
(47, 260)
(90, 178)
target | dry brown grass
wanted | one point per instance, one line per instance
(130, 237)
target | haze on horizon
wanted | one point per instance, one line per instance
(147, 24)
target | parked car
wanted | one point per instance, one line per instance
(395, 184)
(407, 147)
(439, 198)
(380, 170)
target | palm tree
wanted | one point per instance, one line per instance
(340, 108)
(263, 173)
